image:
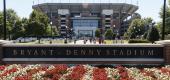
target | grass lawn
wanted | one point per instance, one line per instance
(114, 41)
(43, 42)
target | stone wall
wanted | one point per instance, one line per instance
(165, 44)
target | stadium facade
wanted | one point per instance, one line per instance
(82, 19)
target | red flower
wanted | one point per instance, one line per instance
(57, 72)
(23, 78)
(56, 76)
(164, 70)
(2, 68)
(77, 73)
(99, 74)
(124, 75)
(121, 69)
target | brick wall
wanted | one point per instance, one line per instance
(1, 53)
(167, 54)
(166, 44)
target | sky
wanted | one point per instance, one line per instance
(147, 8)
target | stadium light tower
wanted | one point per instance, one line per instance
(163, 20)
(4, 3)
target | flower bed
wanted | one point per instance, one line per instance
(81, 72)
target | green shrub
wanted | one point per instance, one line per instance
(138, 41)
(153, 35)
(109, 34)
(97, 33)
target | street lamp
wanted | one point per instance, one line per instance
(51, 28)
(71, 33)
(66, 35)
(163, 21)
(4, 19)
(114, 26)
(51, 32)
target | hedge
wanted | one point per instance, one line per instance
(138, 41)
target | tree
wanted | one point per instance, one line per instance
(97, 33)
(19, 29)
(35, 28)
(37, 15)
(153, 35)
(145, 35)
(148, 20)
(39, 23)
(136, 28)
(1, 25)
(159, 27)
(109, 34)
(167, 19)
(11, 17)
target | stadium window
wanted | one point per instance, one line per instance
(108, 21)
(107, 16)
(63, 20)
(63, 15)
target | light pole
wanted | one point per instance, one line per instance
(163, 20)
(4, 19)
(51, 28)
(71, 33)
(114, 32)
(51, 33)
(66, 34)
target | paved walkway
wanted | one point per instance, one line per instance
(82, 42)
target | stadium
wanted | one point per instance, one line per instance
(82, 19)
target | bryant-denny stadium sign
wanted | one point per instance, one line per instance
(81, 52)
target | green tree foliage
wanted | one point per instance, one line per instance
(137, 28)
(148, 20)
(35, 28)
(38, 24)
(145, 35)
(1, 25)
(159, 26)
(11, 17)
(167, 19)
(18, 30)
(97, 33)
(39, 17)
(109, 34)
(153, 35)
(1, 18)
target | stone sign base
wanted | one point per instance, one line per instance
(85, 54)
